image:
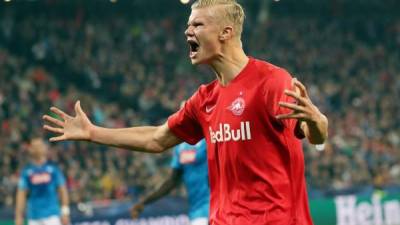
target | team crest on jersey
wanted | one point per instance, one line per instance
(237, 106)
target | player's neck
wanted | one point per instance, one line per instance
(229, 64)
(39, 160)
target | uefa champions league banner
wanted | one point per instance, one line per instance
(157, 220)
(167, 211)
(343, 210)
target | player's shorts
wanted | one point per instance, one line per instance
(199, 221)
(52, 220)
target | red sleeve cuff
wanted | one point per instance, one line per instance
(187, 134)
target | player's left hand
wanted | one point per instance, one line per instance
(136, 210)
(65, 220)
(304, 110)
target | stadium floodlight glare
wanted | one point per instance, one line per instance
(7, 0)
(185, 1)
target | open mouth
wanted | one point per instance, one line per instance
(194, 47)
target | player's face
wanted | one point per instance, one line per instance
(202, 35)
(38, 148)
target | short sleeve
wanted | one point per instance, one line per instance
(175, 159)
(59, 177)
(274, 93)
(185, 123)
(23, 181)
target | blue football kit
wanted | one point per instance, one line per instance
(41, 183)
(192, 160)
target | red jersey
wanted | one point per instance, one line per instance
(255, 162)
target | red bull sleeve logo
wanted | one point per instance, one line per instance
(225, 133)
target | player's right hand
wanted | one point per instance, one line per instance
(136, 210)
(69, 128)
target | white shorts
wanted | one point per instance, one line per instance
(199, 221)
(52, 220)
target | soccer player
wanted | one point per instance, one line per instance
(189, 163)
(42, 187)
(252, 117)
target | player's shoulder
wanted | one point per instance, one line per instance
(272, 77)
(269, 70)
(206, 91)
(180, 147)
(27, 169)
(51, 166)
(202, 143)
(54, 164)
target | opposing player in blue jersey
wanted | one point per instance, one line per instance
(41, 190)
(189, 163)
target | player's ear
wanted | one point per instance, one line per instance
(226, 33)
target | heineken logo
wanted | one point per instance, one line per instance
(374, 211)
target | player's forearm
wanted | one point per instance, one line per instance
(19, 208)
(64, 200)
(135, 138)
(19, 211)
(164, 189)
(317, 131)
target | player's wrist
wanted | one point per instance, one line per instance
(317, 119)
(92, 132)
(318, 129)
(65, 210)
(322, 124)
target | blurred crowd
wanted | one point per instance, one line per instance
(131, 71)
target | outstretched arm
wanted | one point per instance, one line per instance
(313, 124)
(151, 139)
(163, 190)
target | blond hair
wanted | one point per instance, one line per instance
(233, 12)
